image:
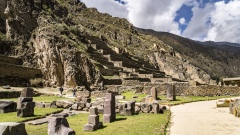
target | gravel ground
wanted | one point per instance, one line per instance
(203, 118)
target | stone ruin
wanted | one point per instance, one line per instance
(12, 128)
(93, 120)
(154, 93)
(109, 108)
(7, 106)
(127, 109)
(171, 92)
(59, 126)
(234, 107)
(25, 104)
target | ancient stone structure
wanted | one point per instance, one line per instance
(128, 108)
(27, 92)
(154, 93)
(25, 105)
(93, 120)
(171, 93)
(59, 126)
(155, 108)
(232, 81)
(109, 108)
(12, 128)
(7, 106)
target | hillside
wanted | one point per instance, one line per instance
(74, 45)
(217, 59)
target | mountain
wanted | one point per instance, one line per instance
(219, 59)
(232, 47)
(74, 45)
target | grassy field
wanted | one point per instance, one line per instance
(142, 124)
(38, 113)
(40, 98)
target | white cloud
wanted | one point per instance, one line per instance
(148, 14)
(198, 28)
(215, 22)
(182, 21)
(225, 20)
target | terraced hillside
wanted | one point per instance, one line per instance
(74, 45)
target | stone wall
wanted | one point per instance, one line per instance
(204, 90)
(181, 89)
(8, 70)
(10, 60)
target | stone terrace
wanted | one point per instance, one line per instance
(12, 70)
(120, 68)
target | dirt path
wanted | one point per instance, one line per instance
(203, 118)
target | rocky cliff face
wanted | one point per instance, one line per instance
(173, 64)
(54, 36)
(41, 40)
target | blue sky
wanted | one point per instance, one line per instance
(204, 20)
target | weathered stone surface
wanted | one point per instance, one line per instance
(21, 100)
(59, 126)
(12, 128)
(155, 108)
(171, 93)
(84, 94)
(63, 104)
(146, 108)
(27, 92)
(127, 109)
(93, 120)
(154, 93)
(109, 108)
(39, 105)
(26, 110)
(7, 106)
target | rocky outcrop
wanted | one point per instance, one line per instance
(43, 43)
(55, 37)
(172, 64)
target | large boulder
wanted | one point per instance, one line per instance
(12, 128)
(7, 106)
(59, 126)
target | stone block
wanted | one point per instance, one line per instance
(7, 106)
(26, 110)
(47, 105)
(12, 128)
(20, 100)
(40, 105)
(171, 93)
(93, 111)
(27, 92)
(154, 93)
(119, 97)
(155, 108)
(59, 126)
(93, 119)
(146, 108)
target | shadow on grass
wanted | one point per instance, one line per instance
(120, 119)
(102, 127)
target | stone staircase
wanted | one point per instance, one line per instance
(13, 73)
(122, 69)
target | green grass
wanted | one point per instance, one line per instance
(142, 124)
(38, 113)
(129, 96)
(40, 98)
